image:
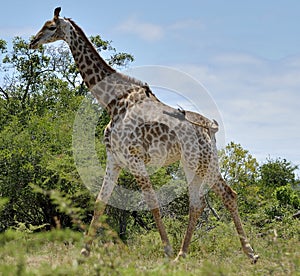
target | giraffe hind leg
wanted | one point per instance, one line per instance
(229, 198)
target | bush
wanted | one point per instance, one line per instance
(286, 195)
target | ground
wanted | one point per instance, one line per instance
(213, 252)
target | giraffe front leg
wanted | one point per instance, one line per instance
(152, 202)
(110, 179)
(229, 198)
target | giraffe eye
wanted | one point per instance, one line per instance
(52, 28)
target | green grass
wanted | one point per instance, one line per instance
(214, 252)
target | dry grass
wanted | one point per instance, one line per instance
(216, 253)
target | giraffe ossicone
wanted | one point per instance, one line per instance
(142, 131)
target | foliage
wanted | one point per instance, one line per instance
(40, 94)
(238, 166)
(216, 252)
(119, 59)
(277, 173)
(286, 195)
(3, 45)
(240, 169)
(40, 154)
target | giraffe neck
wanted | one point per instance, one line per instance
(92, 67)
(112, 89)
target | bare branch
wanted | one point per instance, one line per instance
(6, 96)
(214, 212)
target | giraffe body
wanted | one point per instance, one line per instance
(144, 131)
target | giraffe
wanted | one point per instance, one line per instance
(142, 131)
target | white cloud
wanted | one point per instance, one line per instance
(16, 31)
(192, 24)
(154, 32)
(147, 31)
(258, 100)
(237, 58)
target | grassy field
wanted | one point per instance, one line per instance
(214, 252)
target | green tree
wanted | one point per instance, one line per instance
(286, 195)
(39, 96)
(240, 169)
(277, 173)
(237, 165)
(279, 188)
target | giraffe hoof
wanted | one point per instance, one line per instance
(254, 259)
(85, 252)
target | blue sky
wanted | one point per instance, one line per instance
(246, 54)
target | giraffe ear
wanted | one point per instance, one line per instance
(56, 13)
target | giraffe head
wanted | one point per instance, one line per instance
(52, 30)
